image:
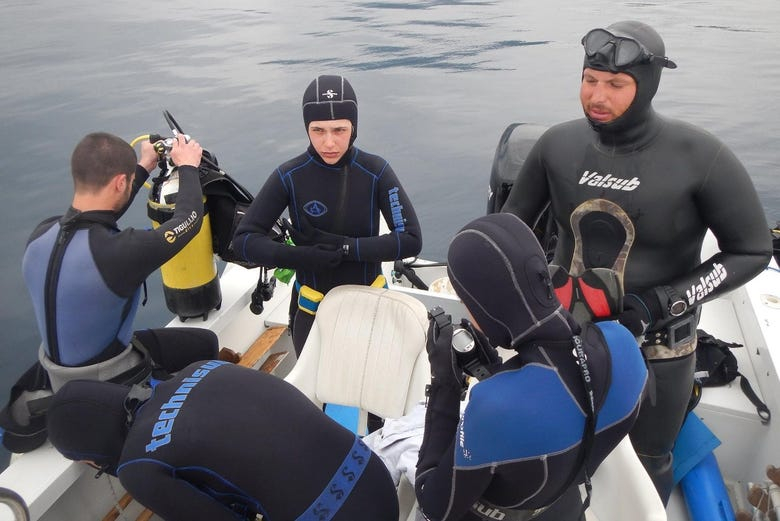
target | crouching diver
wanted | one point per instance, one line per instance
(203, 446)
(548, 416)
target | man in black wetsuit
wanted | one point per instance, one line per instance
(85, 276)
(528, 434)
(673, 181)
(336, 195)
(223, 442)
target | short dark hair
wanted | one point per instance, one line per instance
(98, 158)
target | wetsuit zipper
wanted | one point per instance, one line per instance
(52, 281)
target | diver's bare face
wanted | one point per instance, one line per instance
(330, 138)
(605, 95)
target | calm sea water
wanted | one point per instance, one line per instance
(437, 82)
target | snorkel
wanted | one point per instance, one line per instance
(633, 48)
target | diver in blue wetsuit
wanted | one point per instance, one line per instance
(528, 435)
(85, 275)
(223, 442)
(674, 181)
(336, 195)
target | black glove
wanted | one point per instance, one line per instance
(315, 236)
(309, 235)
(486, 354)
(640, 312)
(315, 258)
(444, 369)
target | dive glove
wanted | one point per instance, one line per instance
(315, 258)
(310, 235)
(444, 368)
(640, 312)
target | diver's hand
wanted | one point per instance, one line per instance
(312, 236)
(148, 159)
(487, 353)
(444, 368)
(317, 258)
(309, 235)
(639, 312)
(185, 153)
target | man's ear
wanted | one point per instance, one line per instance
(119, 182)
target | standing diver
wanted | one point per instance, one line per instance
(674, 181)
(336, 195)
(548, 416)
(223, 443)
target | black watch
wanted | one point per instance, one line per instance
(676, 305)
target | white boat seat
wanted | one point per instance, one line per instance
(366, 349)
(622, 489)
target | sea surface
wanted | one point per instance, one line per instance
(437, 82)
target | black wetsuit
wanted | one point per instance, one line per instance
(100, 272)
(347, 199)
(674, 181)
(222, 442)
(509, 454)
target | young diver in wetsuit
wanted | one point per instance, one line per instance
(335, 194)
(528, 435)
(674, 181)
(223, 442)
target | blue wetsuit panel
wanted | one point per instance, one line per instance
(629, 375)
(506, 420)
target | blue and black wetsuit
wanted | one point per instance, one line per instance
(348, 199)
(518, 445)
(85, 275)
(222, 442)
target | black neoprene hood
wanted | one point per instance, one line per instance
(87, 421)
(328, 98)
(647, 75)
(500, 272)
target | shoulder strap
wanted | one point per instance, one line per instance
(761, 408)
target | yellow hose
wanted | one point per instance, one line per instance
(133, 143)
(137, 140)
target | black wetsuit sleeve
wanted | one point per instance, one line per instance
(154, 487)
(128, 257)
(740, 229)
(252, 241)
(442, 492)
(405, 236)
(530, 192)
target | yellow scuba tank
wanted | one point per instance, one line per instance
(190, 281)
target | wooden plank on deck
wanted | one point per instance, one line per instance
(261, 346)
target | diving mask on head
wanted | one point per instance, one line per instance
(623, 53)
